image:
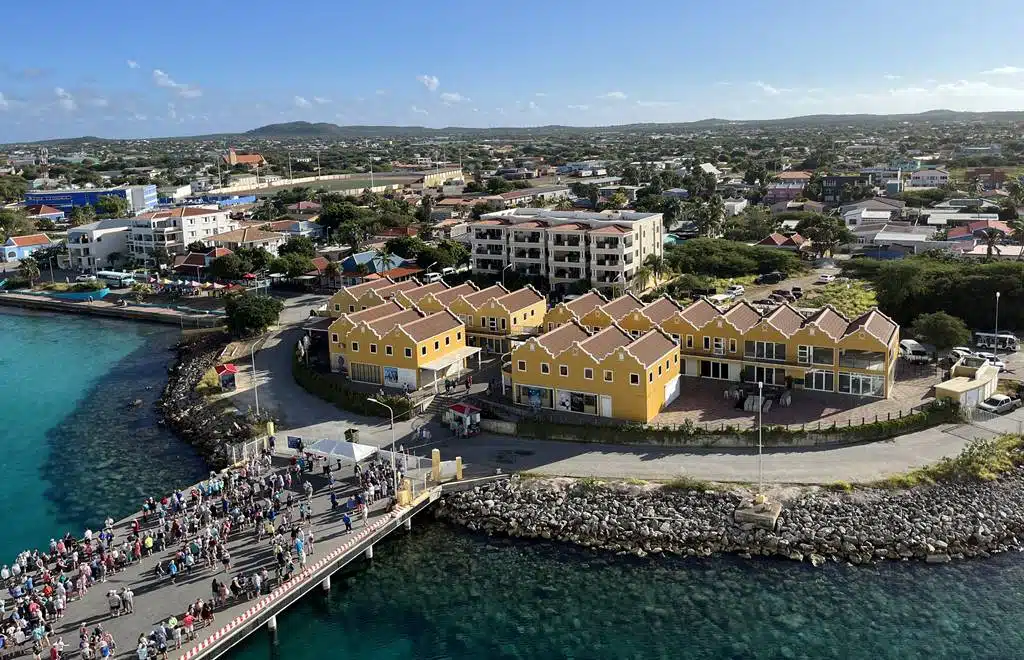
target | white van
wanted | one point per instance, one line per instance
(430, 278)
(913, 351)
(447, 271)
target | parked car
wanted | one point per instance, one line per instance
(797, 291)
(776, 299)
(765, 301)
(773, 277)
(999, 404)
(825, 278)
(960, 352)
(784, 294)
(992, 359)
(913, 351)
(735, 290)
(85, 277)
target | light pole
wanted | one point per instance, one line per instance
(50, 260)
(760, 419)
(503, 274)
(394, 473)
(995, 346)
(255, 380)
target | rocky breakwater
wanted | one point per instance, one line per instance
(192, 416)
(935, 523)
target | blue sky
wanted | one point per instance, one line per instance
(128, 69)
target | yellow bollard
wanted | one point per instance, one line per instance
(270, 427)
(458, 468)
(435, 465)
(405, 493)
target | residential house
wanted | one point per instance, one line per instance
(252, 161)
(99, 245)
(805, 205)
(629, 191)
(366, 265)
(894, 206)
(38, 212)
(497, 320)
(19, 247)
(173, 229)
(304, 208)
(793, 242)
(536, 196)
(292, 227)
(346, 300)
(862, 216)
(194, 264)
(928, 178)
(608, 373)
(734, 206)
(576, 309)
(833, 185)
(249, 237)
(341, 325)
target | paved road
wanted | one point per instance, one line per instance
(310, 417)
(156, 599)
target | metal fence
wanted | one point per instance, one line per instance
(238, 452)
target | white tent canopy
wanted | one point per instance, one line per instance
(342, 450)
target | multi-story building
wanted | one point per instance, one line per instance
(498, 320)
(929, 178)
(604, 249)
(174, 229)
(609, 373)
(832, 186)
(99, 245)
(139, 198)
(248, 237)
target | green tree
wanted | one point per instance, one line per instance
(497, 185)
(12, 188)
(251, 314)
(991, 237)
(13, 223)
(82, 215)
(618, 200)
(228, 267)
(753, 224)
(1017, 233)
(254, 258)
(1016, 191)
(755, 173)
(472, 187)
(301, 245)
(630, 175)
(657, 265)
(28, 268)
(111, 206)
(406, 247)
(292, 264)
(197, 246)
(941, 330)
(161, 257)
(480, 208)
(426, 207)
(382, 256)
(641, 277)
(114, 258)
(826, 233)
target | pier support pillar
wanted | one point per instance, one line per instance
(408, 523)
(435, 465)
(458, 468)
(272, 624)
(326, 584)
(369, 552)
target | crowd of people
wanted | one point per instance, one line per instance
(189, 531)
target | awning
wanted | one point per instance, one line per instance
(320, 325)
(342, 450)
(451, 358)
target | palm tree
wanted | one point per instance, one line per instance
(383, 256)
(113, 258)
(1017, 233)
(672, 211)
(657, 265)
(641, 277)
(332, 271)
(29, 269)
(1016, 191)
(564, 205)
(991, 238)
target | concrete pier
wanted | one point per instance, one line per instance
(408, 524)
(326, 584)
(369, 552)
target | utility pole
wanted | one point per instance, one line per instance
(290, 166)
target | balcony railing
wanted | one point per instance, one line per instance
(561, 242)
(567, 258)
(526, 238)
(488, 236)
(606, 245)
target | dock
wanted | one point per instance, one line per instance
(157, 599)
(133, 312)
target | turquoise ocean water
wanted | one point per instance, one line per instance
(73, 450)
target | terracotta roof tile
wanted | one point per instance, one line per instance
(358, 290)
(661, 309)
(605, 341)
(562, 337)
(700, 313)
(652, 347)
(619, 307)
(389, 291)
(448, 295)
(432, 325)
(829, 321)
(483, 295)
(585, 303)
(420, 291)
(520, 298)
(373, 313)
(742, 315)
(29, 240)
(384, 324)
(875, 323)
(785, 319)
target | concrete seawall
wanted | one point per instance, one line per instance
(108, 310)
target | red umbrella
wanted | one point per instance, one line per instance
(249, 276)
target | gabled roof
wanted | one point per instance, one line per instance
(742, 315)
(781, 240)
(875, 323)
(448, 295)
(478, 298)
(384, 324)
(588, 301)
(373, 313)
(619, 307)
(562, 337)
(43, 209)
(606, 340)
(246, 235)
(700, 313)
(520, 298)
(661, 309)
(386, 292)
(28, 240)
(829, 321)
(432, 325)
(651, 347)
(417, 293)
(785, 319)
(357, 290)
(180, 212)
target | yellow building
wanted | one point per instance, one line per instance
(497, 320)
(337, 333)
(406, 349)
(380, 295)
(435, 302)
(346, 300)
(573, 310)
(608, 373)
(411, 297)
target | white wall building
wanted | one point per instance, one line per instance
(928, 178)
(566, 246)
(90, 246)
(735, 206)
(174, 229)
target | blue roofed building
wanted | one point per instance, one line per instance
(139, 198)
(366, 266)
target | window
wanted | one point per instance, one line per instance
(337, 307)
(719, 346)
(764, 350)
(437, 345)
(634, 379)
(533, 312)
(373, 348)
(351, 308)
(334, 337)
(408, 352)
(521, 365)
(861, 385)
(448, 340)
(803, 354)
(502, 324)
(709, 369)
(675, 358)
(515, 319)
(635, 333)
(588, 373)
(458, 335)
(707, 343)
(355, 347)
(689, 341)
(545, 368)
(823, 355)
(659, 370)
(650, 377)
(608, 376)
(823, 381)
(469, 320)
(423, 350)
(563, 370)
(732, 345)
(388, 350)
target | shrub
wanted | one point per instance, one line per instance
(334, 390)
(685, 482)
(980, 460)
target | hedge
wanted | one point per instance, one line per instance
(333, 389)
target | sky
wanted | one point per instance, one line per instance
(129, 69)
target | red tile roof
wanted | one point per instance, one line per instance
(42, 209)
(29, 240)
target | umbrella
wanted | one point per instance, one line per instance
(249, 276)
(194, 283)
(166, 281)
(218, 286)
(341, 449)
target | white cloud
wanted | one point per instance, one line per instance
(578, 107)
(99, 102)
(454, 97)
(540, 94)
(132, 64)
(655, 104)
(64, 99)
(890, 76)
(321, 100)
(186, 91)
(419, 111)
(301, 102)
(430, 82)
(500, 111)
(381, 92)
(139, 117)
(532, 106)
(172, 112)
(1003, 71)
(4, 103)
(618, 96)
(768, 89)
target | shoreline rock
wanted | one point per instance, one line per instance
(187, 413)
(933, 524)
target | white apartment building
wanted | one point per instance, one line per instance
(566, 246)
(928, 178)
(101, 245)
(173, 229)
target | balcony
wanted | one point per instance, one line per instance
(567, 274)
(566, 257)
(526, 237)
(867, 360)
(488, 265)
(608, 263)
(562, 241)
(489, 236)
(534, 255)
(489, 250)
(529, 270)
(606, 244)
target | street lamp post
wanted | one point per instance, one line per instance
(503, 274)
(995, 346)
(760, 419)
(255, 380)
(394, 473)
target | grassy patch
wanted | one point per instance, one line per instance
(722, 283)
(636, 482)
(980, 460)
(689, 483)
(839, 486)
(209, 383)
(851, 298)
